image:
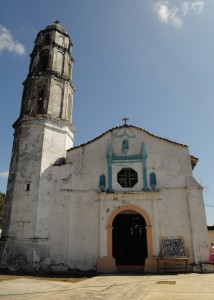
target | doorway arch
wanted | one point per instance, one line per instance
(132, 209)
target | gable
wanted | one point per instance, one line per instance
(119, 132)
(126, 151)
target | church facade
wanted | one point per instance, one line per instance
(104, 205)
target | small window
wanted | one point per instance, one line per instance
(47, 38)
(44, 57)
(40, 102)
(27, 186)
(127, 177)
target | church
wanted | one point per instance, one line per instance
(120, 201)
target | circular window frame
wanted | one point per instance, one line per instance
(127, 177)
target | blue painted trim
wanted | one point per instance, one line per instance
(110, 155)
(126, 161)
(102, 183)
(153, 182)
(127, 157)
(144, 157)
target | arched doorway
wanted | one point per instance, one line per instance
(150, 261)
(129, 239)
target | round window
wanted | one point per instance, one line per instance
(127, 177)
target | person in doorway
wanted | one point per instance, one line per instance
(211, 257)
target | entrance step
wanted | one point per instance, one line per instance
(130, 268)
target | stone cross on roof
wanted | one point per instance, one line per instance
(125, 119)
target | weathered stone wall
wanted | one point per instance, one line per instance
(38, 144)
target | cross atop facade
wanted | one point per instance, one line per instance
(125, 120)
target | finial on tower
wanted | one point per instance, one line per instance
(57, 22)
(125, 120)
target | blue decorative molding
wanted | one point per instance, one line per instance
(144, 157)
(128, 158)
(102, 183)
(110, 155)
(153, 182)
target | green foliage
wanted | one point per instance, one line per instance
(2, 199)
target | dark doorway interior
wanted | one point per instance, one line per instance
(129, 239)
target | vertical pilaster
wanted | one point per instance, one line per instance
(197, 221)
(149, 240)
(144, 169)
(110, 155)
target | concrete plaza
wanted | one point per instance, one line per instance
(148, 287)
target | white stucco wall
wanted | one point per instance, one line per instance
(85, 211)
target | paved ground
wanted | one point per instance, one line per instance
(163, 287)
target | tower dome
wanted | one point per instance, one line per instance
(57, 26)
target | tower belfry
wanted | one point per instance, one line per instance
(48, 89)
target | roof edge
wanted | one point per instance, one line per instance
(132, 126)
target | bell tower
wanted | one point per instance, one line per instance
(43, 133)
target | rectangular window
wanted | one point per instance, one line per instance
(27, 186)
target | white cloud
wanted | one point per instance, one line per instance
(8, 43)
(175, 15)
(197, 6)
(167, 15)
(163, 13)
(185, 7)
(4, 174)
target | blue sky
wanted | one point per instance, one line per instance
(149, 60)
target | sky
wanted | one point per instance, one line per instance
(149, 60)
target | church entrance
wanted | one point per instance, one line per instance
(129, 240)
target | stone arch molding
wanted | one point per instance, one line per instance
(136, 209)
(107, 263)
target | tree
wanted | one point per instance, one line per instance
(2, 199)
